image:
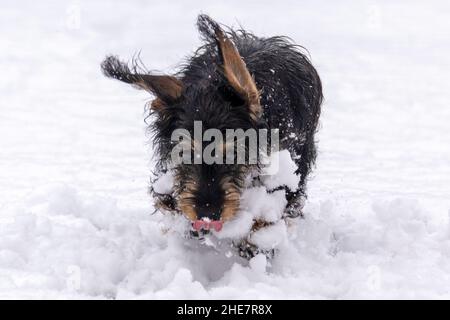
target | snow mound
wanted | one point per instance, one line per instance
(61, 243)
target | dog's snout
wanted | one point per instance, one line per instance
(207, 212)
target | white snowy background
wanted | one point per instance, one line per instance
(75, 216)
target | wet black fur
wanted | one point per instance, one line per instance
(291, 97)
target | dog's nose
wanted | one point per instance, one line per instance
(208, 212)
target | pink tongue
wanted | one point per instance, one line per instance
(198, 225)
(217, 225)
(201, 224)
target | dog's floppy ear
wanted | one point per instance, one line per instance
(167, 89)
(233, 66)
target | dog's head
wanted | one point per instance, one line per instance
(227, 98)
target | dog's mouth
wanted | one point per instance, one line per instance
(207, 224)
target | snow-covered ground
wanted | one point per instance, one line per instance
(75, 217)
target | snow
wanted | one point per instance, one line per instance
(75, 217)
(281, 171)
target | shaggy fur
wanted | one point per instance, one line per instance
(288, 98)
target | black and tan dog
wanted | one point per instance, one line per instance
(234, 81)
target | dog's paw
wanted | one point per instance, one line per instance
(294, 209)
(248, 250)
